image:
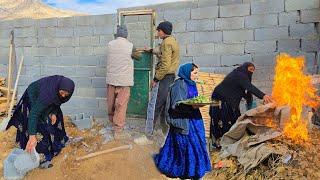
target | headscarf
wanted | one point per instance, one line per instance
(122, 31)
(185, 73)
(242, 71)
(49, 89)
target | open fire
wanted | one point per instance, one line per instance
(293, 88)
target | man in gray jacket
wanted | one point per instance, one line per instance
(119, 79)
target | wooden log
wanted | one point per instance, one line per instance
(9, 75)
(124, 147)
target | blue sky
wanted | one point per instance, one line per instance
(100, 6)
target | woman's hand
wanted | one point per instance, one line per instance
(267, 99)
(32, 142)
(53, 118)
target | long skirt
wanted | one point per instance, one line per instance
(51, 137)
(222, 118)
(184, 156)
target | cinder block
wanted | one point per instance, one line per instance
(64, 32)
(183, 49)
(204, 37)
(288, 45)
(237, 36)
(69, 71)
(5, 33)
(100, 93)
(304, 31)
(104, 39)
(200, 25)
(66, 51)
(229, 48)
(103, 30)
(229, 23)
(68, 60)
(207, 61)
(186, 59)
(179, 26)
(264, 59)
(228, 2)
(268, 6)
(89, 41)
(207, 3)
(231, 60)
(21, 42)
(85, 102)
(82, 81)
(260, 46)
(205, 13)
(100, 72)
(310, 45)
(46, 32)
(30, 60)
(99, 82)
(272, 33)
(185, 38)
(50, 70)
(287, 18)
(88, 60)
(200, 49)
(84, 51)
(263, 20)
(25, 32)
(51, 22)
(24, 22)
(131, 19)
(136, 26)
(86, 71)
(86, 92)
(137, 34)
(66, 22)
(177, 15)
(101, 50)
(83, 31)
(235, 10)
(103, 20)
(85, 20)
(45, 51)
(291, 5)
(308, 16)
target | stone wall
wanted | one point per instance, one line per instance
(215, 34)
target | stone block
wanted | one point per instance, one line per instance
(207, 61)
(99, 82)
(232, 60)
(83, 31)
(64, 32)
(100, 72)
(82, 81)
(205, 12)
(22, 42)
(84, 51)
(51, 22)
(268, 6)
(310, 45)
(66, 22)
(287, 18)
(66, 51)
(291, 5)
(272, 33)
(263, 20)
(24, 22)
(101, 50)
(88, 60)
(85, 20)
(177, 15)
(205, 37)
(45, 51)
(89, 41)
(235, 10)
(308, 16)
(229, 23)
(260, 46)
(103, 20)
(303, 31)
(46, 32)
(264, 59)
(237, 36)
(200, 49)
(200, 25)
(103, 30)
(100, 93)
(104, 39)
(288, 45)
(185, 38)
(229, 48)
(179, 26)
(86, 92)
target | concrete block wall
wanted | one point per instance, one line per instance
(215, 34)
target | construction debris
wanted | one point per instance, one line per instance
(82, 121)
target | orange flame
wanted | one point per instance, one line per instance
(293, 88)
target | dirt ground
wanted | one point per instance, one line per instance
(131, 164)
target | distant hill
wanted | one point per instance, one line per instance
(35, 9)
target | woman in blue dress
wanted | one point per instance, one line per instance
(184, 154)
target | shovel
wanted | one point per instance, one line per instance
(5, 121)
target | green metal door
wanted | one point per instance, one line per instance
(139, 98)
